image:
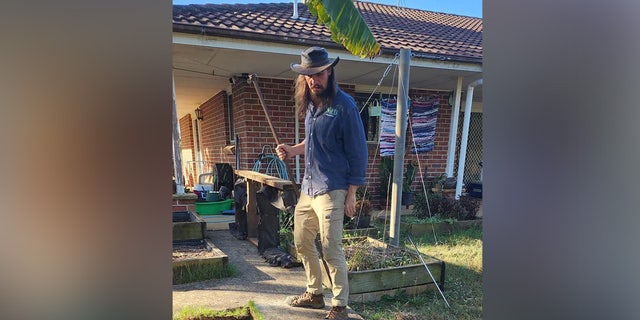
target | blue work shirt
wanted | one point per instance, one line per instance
(336, 152)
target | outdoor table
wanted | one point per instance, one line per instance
(255, 180)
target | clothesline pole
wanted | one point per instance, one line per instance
(398, 157)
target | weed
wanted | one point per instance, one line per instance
(361, 255)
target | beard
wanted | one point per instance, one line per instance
(318, 92)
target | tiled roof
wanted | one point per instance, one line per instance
(428, 34)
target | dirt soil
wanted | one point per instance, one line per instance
(185, 252)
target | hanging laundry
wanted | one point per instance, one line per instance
(423, 123)
(388, 127)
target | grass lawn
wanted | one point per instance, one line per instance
(462, 253)
(200, 272)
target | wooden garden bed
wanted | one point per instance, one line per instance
(370, 285)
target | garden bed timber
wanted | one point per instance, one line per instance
(188, 228)
(197, 261)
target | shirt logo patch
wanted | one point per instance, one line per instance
(331, 112)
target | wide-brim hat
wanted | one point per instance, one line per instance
(314, 60)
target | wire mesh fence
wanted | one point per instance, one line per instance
(473, 165)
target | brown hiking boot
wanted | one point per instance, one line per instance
(307, 300)
(337, 313)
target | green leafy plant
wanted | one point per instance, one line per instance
(409, 175)
(347, 26)
(286, 228)
(385, 174)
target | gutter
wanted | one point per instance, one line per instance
(431, 56)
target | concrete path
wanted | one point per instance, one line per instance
(267, 286)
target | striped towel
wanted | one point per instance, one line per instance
(388, 127)
(423, 124)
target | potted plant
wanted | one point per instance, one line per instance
(407, 180)
(385, 173)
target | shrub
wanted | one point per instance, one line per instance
(468, 208)
(444, 207)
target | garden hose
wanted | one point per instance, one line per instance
(274, 166)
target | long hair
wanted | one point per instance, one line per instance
(302, 96)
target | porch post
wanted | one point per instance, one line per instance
(453, 131)
(465, 136)
(177, 157)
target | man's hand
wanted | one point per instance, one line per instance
(350, 202)
(283, 151)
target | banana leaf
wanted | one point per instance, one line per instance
(346, 25)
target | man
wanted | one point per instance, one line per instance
(335, 157)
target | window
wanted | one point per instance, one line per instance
(370, 113)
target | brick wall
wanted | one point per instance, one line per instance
(251, 124)
(184, 202)
(187, 147)
(214, 128)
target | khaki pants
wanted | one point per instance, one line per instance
(323, 213)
